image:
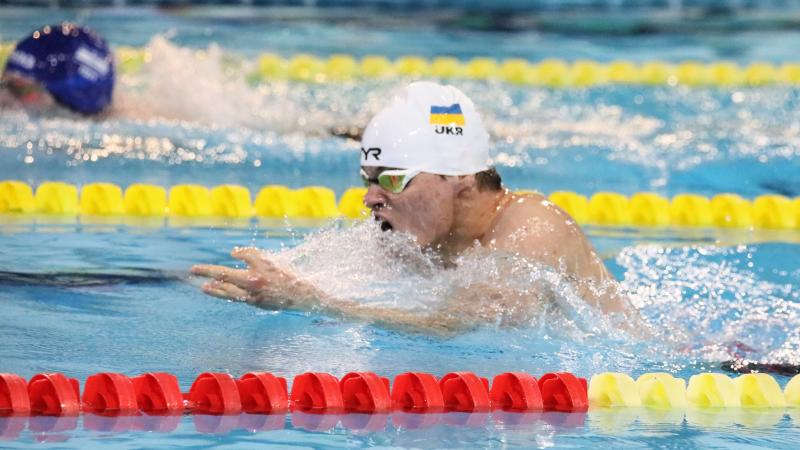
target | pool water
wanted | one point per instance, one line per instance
(86, 296)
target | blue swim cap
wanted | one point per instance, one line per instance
(72, 62)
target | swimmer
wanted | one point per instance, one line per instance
(424, 159)
(66, 65)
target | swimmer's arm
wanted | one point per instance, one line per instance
(464, 309)
(268, 286)
(440, 322)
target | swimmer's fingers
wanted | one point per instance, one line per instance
(225, 290)
(236, 276)
(253, 257)
(205, 270)
(264, 272)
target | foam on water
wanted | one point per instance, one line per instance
(211, 87)
(390, 270)
(697, 303)
(726, 301)
(189, 106)
(197, 108)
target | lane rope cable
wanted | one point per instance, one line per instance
(235, 202)
(551, 73)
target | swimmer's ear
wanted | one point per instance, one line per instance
(465, 185)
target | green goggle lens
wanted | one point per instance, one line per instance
(21, 88)
(392, 182)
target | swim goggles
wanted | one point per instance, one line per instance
(25, 90)
(393, 180)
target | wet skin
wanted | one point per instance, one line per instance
(447, 215)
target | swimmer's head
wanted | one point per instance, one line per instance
(422, 158)
(70, 63)
(427, 127)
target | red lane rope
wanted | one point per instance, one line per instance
(158, 393)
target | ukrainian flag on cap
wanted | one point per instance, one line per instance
(447, 115)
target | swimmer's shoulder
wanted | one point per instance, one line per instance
(526, 208)
(535, 226)
(531, 216)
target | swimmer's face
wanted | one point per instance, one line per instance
(21, 91)
(425, 208)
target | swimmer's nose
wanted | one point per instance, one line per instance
(375, 197)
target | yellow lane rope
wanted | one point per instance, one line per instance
(553, 73)
(643, 209)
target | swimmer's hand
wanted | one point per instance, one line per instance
(265, 284)
(262, 283)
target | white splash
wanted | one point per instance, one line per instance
(211, 92)
(211, 87)
(716, 300)
(390, 270)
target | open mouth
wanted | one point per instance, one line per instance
(385, 224)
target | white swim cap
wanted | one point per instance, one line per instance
(430, 128)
